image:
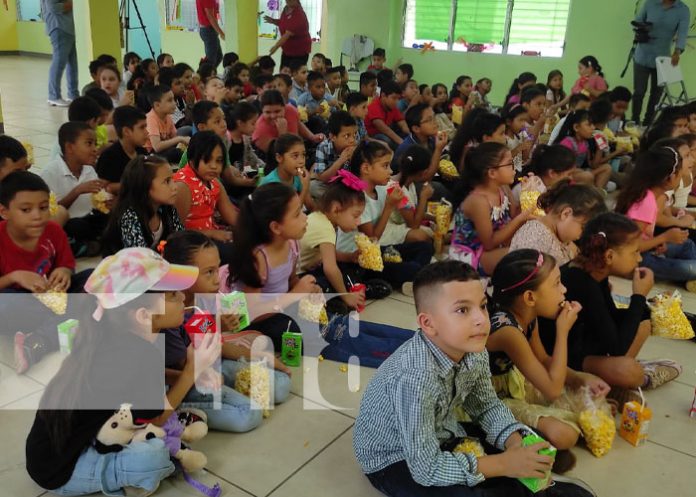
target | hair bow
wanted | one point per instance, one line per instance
(350, 180)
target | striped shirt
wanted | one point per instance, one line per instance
(408, 411)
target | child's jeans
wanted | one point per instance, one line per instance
(237, 412)
(677, 264)
(141, 465)
(396, 480)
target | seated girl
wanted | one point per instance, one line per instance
(479, 126)
(413, 167)
(551, 164)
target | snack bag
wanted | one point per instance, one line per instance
(325, 110)
(668, 318)
(52, 204)
(30, 152)
(370, 255)
(254, 381)
(313, 309)
(457, 114)
(624, 143)
(302, 114)
(100, 199)
(635, 421)
(447, 169)
(595, 421)
(235, 303)
(470, 445)
(393, 185)
(392, 255)
(56, 301)
(531, 188)
(443, 217)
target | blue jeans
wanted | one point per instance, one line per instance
(238, 413)
(141, 464)
(677, 264)
(64, 55)
(211, 45)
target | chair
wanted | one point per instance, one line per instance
(667, 75)
(358, 47)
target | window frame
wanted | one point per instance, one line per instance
(505, 45)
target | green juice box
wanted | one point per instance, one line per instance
(537, 484)
(291, 353)
(235, 303)
(66, 335)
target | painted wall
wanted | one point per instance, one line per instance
(31, 37)
(8, 27)
(149, 12)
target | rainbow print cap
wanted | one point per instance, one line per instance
(130, 273)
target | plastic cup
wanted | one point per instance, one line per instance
(359, 288)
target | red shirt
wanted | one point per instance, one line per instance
(52, 251)
(377, 111)
(295, 21)
(266, 129)
(201, 5)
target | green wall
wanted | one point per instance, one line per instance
(31, 37)
(8, 27)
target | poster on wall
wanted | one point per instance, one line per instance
(268, 8)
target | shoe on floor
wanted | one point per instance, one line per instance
(565, 461)
(659, 372)
(59, 102)
(377, 289)
(618, 396)
(407, 289)
(29, 348)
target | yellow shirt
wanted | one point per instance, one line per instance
(319, 230)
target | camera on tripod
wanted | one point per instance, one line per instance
(641, 31)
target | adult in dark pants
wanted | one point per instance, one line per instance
(60, 28)
(294, 34)
(210, 30)
(668, 18)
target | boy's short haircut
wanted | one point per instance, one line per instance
(328, 62)
(296, 65)
(338, 120)
(262, 79)
(620, 94)
(414, 115)
(166, 76)
(354, 99)
(390, 88)
(161, 57)
(20, 181)
(100, 96)
(83, 109)
(314, 76)
(285, 77)
(243, 111)
(229, 59)
(180, 69)
(99, 62)
(11, 148)
(129, 57)
(576, 98)
(94, 66)
(69, 132)
(407, 69)
(600, 111)
(266, 62)
(201, 110)
(320, 56)
(231, 82)
(367, 78)
(127, 117)
(436, 274)
(272, 97)
(383, 76)
(333, 69)
(156, 93)
(379, 52)
(107, 59)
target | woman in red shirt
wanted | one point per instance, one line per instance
(294, 31)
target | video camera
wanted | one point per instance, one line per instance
(641, 31)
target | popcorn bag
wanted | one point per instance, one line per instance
(313, 309)
(56, 301)
(325, 110)
(667, 317)
(469, 445)
(531, 188)
(52, 204)
(302, 114)
(457, 114)
(254, 381)
(635, 421)
(370, 255)
(448, 170)
(100, 199)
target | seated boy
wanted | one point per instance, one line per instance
(215, 90)
(424, 132)
(171, 77)
(368, 85)
(407, 424)
(319, 63)
(106, 134)
(335, 152)
(384, 121)
(316, 102)
(82, 109)
(262, 83)
(94, 66)
(73, 180)
(333, 82)
(379, 56)
(228, 60)
(131, 128)
(410, 96)
(299, 73)
(34, 257)
(283, 83)
(162, 136)
(356, 103)
(403, 74)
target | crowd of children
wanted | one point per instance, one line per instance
(265, 182)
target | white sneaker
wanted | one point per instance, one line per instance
(58, 103)
(611, 187)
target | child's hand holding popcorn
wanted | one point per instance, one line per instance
(59, 279)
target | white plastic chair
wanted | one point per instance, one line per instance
(667, 75)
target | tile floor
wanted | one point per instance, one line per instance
(304, 448)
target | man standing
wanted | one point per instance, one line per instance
(210, 30)
(668, 17)
(60, 28)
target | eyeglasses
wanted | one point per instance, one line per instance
(507, 164)
(431, 119)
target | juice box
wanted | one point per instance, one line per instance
(635, 421)
(200, 323)
(235, 303)
(537, 484)
(291, 353)
(66, 335)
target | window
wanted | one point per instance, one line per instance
(516, 27)
(273, 8)
(28, 10)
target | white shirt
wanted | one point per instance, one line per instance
(557, 130)
(345, 242)
(61, 181)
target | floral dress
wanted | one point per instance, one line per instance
(204, 199)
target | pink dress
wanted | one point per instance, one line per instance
(204, 199)
(645, 211)
(595, 81)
